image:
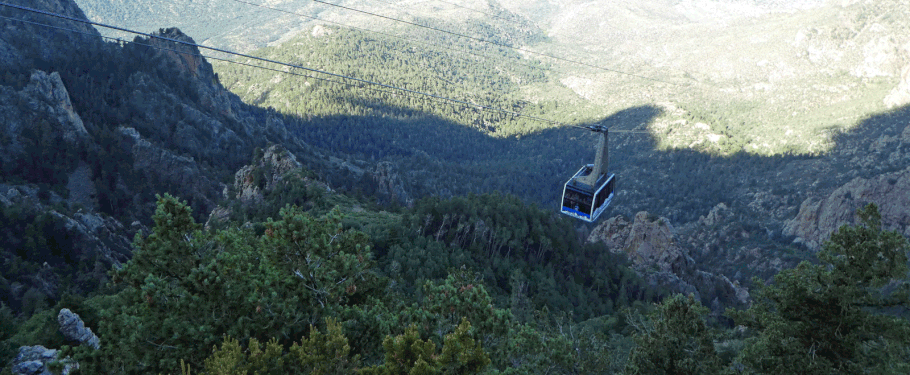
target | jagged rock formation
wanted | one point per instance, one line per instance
(251, 181)
(900, 95)
(72, 327)
(819, 217)
(390, 184)
(648, 241)
(96, 241)
(171, 169)
(187, 59)
(651, 244)
(46, 93)
(34, 360)
(274, 169)
(43, 103)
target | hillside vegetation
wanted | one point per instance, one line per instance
(764, 78)
(293, 225)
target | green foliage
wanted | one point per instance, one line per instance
(461, 354)
(675, 341)
(408, 354)
(520, 251)
(231, 359)
(461, 296)
(324, 354)
(845, 315)
(395, 62)
(186, 288)
(320, 354)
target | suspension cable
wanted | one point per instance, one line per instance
(495, 43)
(360, 80)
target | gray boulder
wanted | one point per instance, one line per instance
(36, 360)
(72, 327)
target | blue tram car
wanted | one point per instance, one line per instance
(588, 193)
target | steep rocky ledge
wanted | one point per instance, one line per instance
(652, 246)
(819, 217)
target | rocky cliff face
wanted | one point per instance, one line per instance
(819, 217)
(188, 59)
(275, 170)
(652, 246)
(390, 185)
(171, 169)
(252, 181)
(43, 106)
(94, 244)
(20, 43)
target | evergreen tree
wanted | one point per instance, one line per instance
(846, 315)
(677, 341)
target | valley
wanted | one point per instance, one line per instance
(172, 199)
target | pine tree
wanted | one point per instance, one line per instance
(846, 315)
(676, 341)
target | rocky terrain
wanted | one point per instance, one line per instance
(652, 245)
(83, 155)
(38, 360)
(170, 124)
(820, 216)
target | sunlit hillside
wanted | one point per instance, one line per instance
(755, 76)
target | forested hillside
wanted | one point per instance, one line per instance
(159, 214)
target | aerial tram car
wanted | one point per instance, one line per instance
(588, 193)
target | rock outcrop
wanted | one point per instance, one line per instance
(170, 169)
(651, 244)
(819, 217)
(900, 95)
(92, 239)
(274, 168)
(72, 327)
(648, 241)
(251, 181)
(390, 184)
(188, 59)
(42, 108)
(35, 360)
(47, 94)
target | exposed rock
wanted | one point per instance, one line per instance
(187, 58)
(650, 243)
(390, 184)
(717, 215)
(268, 171)
(900, 95)
(72, 327)
(168, 168)
(42, 106)
(49, 95)
(81, 187)
(818, 218)
(218, 215)
(34, 360)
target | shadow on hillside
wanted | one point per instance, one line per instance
(440, 157)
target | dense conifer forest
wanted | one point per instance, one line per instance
(320, 273)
